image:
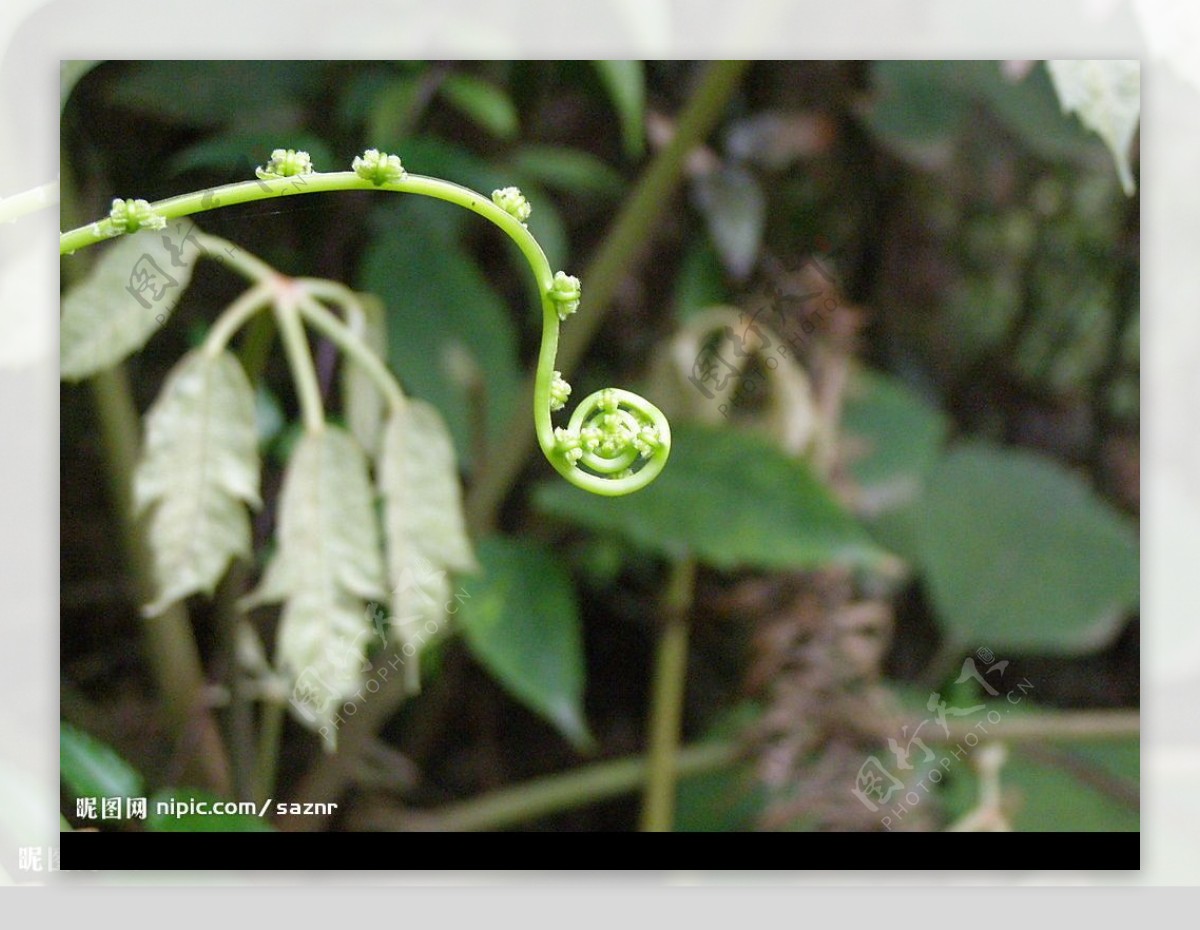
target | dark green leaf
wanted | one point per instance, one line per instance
(183, 818)
(1074, 787)
(522, 623)
(92, 769)
(569, 170)
(891, 437)
(451, 339)
(393, 112)
(205, 93)
(625, 83)
(1021, 555)
(729, 498)
(485, 104)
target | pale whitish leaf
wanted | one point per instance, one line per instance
(128, 295)
(327, 563)
(361, 399)
(423, 518)
(736, 210)
(197, 471)
(1107, 95)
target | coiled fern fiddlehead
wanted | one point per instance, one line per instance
(614, 443)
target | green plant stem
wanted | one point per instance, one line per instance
(666, 705)
(270, 733)
(543, 797)
(629, 234)
(235, 316)
(30, 201)
(608, 481)
(304, 372)
(236, 258)
(345, 339)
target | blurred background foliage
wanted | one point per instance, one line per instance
(892, 310)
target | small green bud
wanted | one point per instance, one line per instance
(568, 444)
(560, 391)
(565, 292)
(512, 202)
(647, 441)
(128, 216)
(378, 167)
(285, 163)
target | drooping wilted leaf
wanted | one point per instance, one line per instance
(1020, 555)
(1107, 95)
(328, 562)
(127, 296)
(522, 623)
(92, 769)
(361, 399)
(197, 472)
(424, 526)
(732, 500)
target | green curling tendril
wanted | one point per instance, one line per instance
(614, 443)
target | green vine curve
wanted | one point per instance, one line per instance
(614, 443)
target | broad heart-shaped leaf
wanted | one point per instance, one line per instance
(127, 296)
(1020, 555)
(92, 769)
(522, 623)
(890, 438)
(424, 526)
(327, 564)
(361, 399)
(198, 470)
(1107, 95)
(729, 498)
